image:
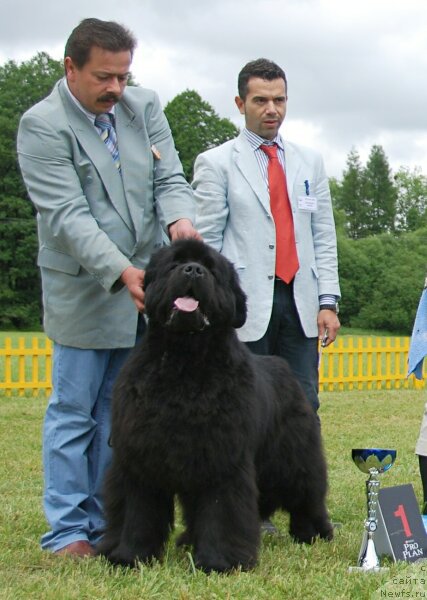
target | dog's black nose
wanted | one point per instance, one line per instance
(193, 270)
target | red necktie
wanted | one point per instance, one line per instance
(286, 252)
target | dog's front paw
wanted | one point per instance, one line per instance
(209, 564)
(128, 556)
(213, 561)
(302, 530)
(123, 557)
(326, 531)
(306, 531)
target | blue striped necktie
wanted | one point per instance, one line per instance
(105, 122)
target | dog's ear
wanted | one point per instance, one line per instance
(149, 274)
(240, 300)
(153, 265)
(148, 278)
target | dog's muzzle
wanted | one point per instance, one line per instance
(187, 316)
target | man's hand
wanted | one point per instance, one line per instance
(133, 279)
(183, 228)
(327, 322)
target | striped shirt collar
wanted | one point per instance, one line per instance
(256, 140)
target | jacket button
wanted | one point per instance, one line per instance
(271, 276)
(271, 246)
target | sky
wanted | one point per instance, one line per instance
(356, 69)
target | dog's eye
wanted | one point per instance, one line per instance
(217, 275)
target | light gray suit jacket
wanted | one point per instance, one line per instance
(93, 222)
(234, 216)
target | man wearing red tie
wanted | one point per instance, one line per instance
(265, 204)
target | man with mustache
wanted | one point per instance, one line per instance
(100, 166)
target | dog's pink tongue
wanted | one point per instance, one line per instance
(186, 304)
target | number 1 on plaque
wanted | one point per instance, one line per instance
(401, 514)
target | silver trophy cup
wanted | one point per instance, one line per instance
(371, 461)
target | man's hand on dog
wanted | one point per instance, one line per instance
(183, 228)
(133, 279)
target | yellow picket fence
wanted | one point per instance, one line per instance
(350, 363)
(367, 363)
(25, 366)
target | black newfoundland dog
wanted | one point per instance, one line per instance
(195, 414)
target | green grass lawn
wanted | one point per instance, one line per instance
(367, 332)
(286, 570)
(27, 335)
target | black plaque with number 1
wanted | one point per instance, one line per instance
(401, 532)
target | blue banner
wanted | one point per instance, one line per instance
(418, 347)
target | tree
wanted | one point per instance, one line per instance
(380, 193)
(411, 205)
(196, 127)
(380, 275)
(349, 196)
(21, 86)
(367, 195)
(355, 281)
(381, 279)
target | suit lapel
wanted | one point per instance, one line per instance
(133, 144)
(247, 164)
(98, 153)
(292, 167)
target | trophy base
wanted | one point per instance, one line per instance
(368, 561)
(368, 571)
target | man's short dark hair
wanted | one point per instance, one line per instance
(107, 35)
(262, 68)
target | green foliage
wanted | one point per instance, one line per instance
(381, 273)
(196, 127)
(411, 204)
(349, 196)
(21, 86)
(380, 193)
(381, 280)
(367, 195)
(353, 270)
(374, 202)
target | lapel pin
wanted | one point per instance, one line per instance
(307, 187)
(155, 152)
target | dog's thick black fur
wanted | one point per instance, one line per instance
(197, 415)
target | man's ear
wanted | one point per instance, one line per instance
(240, 104)
(69, 67)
